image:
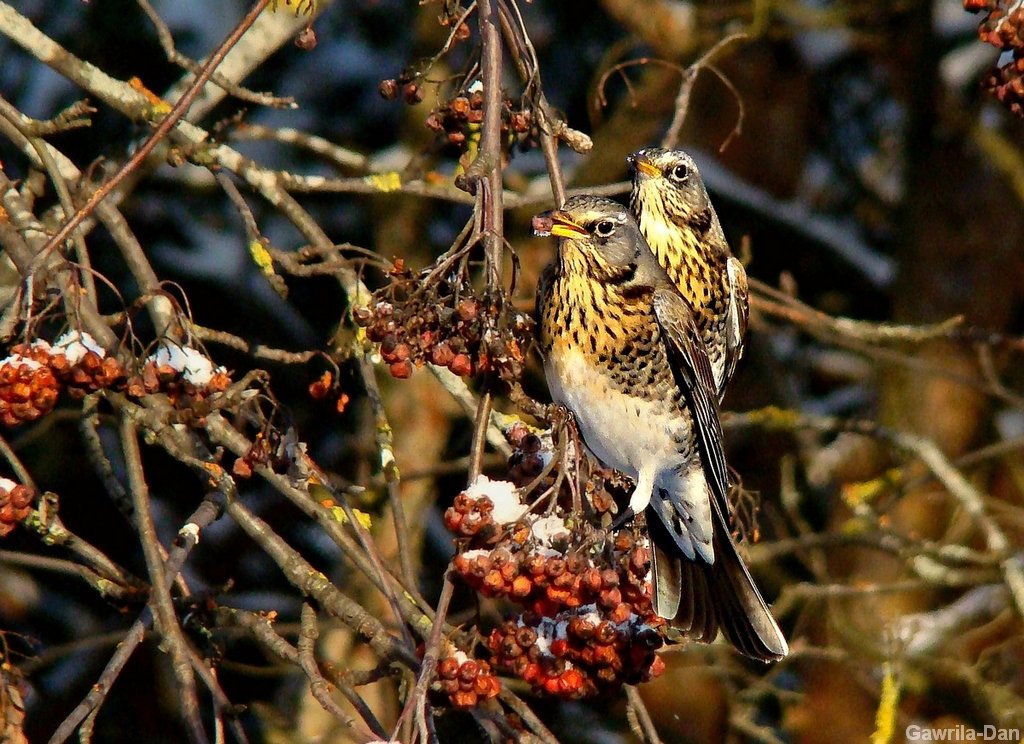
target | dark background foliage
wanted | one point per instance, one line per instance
(872, 177)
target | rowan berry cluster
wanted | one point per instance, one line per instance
(418, 322)
(28, 388)
(459, 120)
(577, 653)
(181, 373)
(408, 83)
(1003, 27)
(34, 374)
(15, 504)
(466, 681)
(405, 85)
(588, 625)
(267, 450)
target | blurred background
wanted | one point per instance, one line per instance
(862, 169)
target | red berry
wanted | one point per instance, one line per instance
(469, 670)
(402, 370)
(448, 668)
(461, 365)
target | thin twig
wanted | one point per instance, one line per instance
(166, 40)
(682, 103)
(188, 538)
(318, 686)
(177, 112)
(480, 422)
(484, 174)
(417, 702)
(20, 471)
(160, 597)
(640, 719)
(337, 154)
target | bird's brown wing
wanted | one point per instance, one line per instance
(723, 593)
(736, 318)
(691, 368)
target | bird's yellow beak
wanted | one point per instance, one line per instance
(642, 166)
(557, 223)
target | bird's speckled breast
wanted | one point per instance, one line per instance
(622, 430)
(604, 360)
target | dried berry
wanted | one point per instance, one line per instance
(319, 389)
(461, 365)
(466, 681)
(412, 93)
(401, 370)
(306, 40)
(15, 504)
(28, 390)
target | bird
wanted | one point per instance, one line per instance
(623, 352)
(681, 226)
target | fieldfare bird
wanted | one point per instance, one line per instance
(676, 217)
(623, 350)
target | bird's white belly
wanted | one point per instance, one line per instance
(623, 431)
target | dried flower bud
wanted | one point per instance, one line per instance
(306, 40)
(412, 93)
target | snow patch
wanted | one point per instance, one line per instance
(548, 552)
(589, 613)
(507, 506)
(76, 344)
(547, 529)
(192, 363)
(550, 630)
(17, 360)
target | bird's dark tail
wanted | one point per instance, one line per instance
(699, 598)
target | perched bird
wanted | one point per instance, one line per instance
(622, 350)
(680, 224)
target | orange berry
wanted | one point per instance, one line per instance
(448, 667)
(461, 365)
(604, 655)
(657, 667)
(493, 582)
(521, 586)
(552, 686)
(464, 699)
(531, 673)
(570, 682)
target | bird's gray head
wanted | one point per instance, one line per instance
(667, 182)
(600, 237)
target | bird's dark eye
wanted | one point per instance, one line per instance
(604, 228)
(679, 173)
